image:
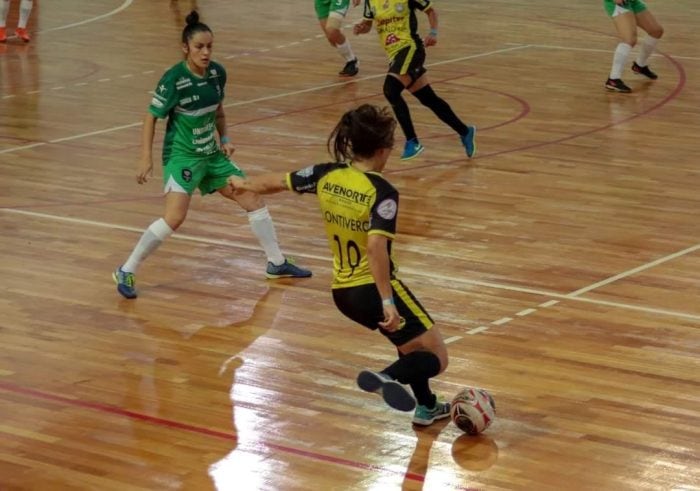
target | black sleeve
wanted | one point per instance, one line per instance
(368, 11)
(385, 209)
(421, 5)
(305, 180)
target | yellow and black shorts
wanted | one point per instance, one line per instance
(363, 304)
(409, 61)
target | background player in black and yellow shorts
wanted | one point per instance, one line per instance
(397, 27)
(359, 209)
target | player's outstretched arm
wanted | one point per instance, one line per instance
(273, 182)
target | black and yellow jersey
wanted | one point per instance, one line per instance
(354, 204)
(396, 23)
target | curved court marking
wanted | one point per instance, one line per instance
(124, 6)
(250, 101)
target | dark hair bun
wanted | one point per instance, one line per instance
(192, 18)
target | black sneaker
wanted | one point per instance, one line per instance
(350, 69)
(617, 85)
(644, 70)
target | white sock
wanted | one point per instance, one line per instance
(4, 7)
(621, 53)
(345, 50)
(263, 228)
(151, 239)
(646, 49)
(25, 8)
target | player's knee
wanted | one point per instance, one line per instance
(175, 219)
(427, 96)
(249, 201)
(656, 32)
(392, 89)
(631, 40)
(332, 35)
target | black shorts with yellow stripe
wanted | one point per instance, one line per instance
(409, 61)
(363, 304)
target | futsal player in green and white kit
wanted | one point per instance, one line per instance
(330, 14)
(190, 95)
(627, 15)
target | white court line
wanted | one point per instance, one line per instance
(124, 6)
(252, 101)
(477, 330)
(549, 303)
(632, 271)
(429, 276)
(525, 312)
(501, 321)
(599, 50)
(452, 339)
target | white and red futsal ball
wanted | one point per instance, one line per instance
(473, 410)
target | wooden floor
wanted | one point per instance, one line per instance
(562, 264)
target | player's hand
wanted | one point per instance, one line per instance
(228, 148)
(145, 170)
(620, 2)
(355, 3)
(392, 320)
(361, 27)
(430, 40)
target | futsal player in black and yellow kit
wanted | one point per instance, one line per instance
(397, 27)
(359, 208)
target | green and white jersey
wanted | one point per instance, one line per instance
(189, 102)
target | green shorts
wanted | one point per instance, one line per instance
(324, 8)
(634, 6)
(185, 174)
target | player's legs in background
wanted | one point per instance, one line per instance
(331, 14)
(626, 27)
(4, 8)
(651, 26)
(25, 8)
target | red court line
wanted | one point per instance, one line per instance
(177, 425)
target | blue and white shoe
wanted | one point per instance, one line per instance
(286, 270)
(126, 283)
(412, 149)
(395, 394)
(425, 416)
(469, 141)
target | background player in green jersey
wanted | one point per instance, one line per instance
(190, 95)
(360, 211)
(397, 27)
(330, 14)
(25, 8)
(627, 15)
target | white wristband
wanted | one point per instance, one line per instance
(388, 301)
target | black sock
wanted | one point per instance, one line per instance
(416, 369)
(392, 91)
(413, 367)
(424, 396)
(442, 109)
